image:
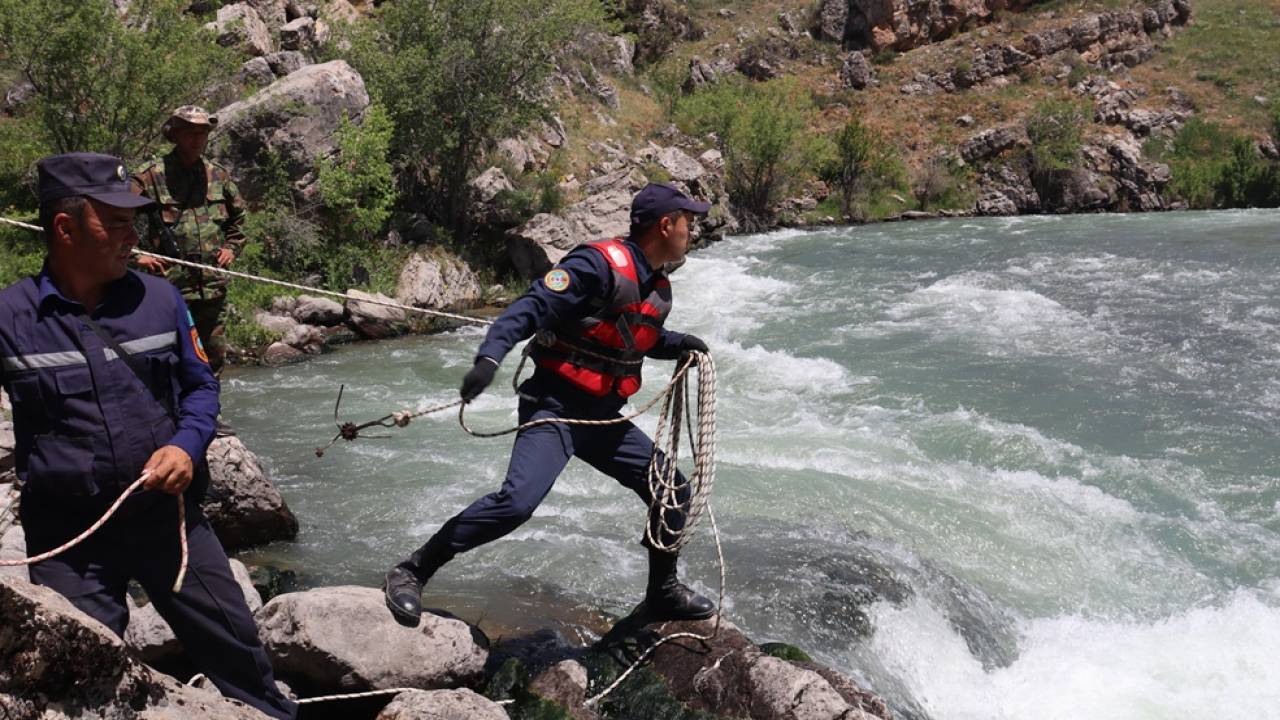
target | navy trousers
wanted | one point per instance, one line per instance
(209, 616)
(538, 456)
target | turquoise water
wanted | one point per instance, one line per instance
(997, 468)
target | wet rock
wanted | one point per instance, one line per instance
(564, 684)
(60, 663)
(344, 638)
(239, 26)
(281, 353)
(243, 506)
(856, 71)
(441, 705)
(374, 322)
(317, 311)
(438, 280)
(307, 338)
(280, 324)
(295, 118)
(731, 677)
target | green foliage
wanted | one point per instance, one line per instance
(533, 193)
(356, 186)
(1056, 130)
(760, 127)
(456, 76)
(21, 251)
(667, 79)
(783, 651)
(103, 81)
(858, 166)
(1215, 168)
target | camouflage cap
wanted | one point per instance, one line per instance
(190, 115)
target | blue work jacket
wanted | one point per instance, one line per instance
(84, 423)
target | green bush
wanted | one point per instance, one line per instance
(105, 81)
(1056, 131)
(455, 77)
(1215, 168)
(21, 251)
(860, 168)
(356, 185)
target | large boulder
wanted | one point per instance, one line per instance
(373, 321)
(903, 24)
(442, 705)
(60, 663)
(729, 676)
(343, 638)
(680, 166)
(317, 311)
(239, 26)
(150, 637)
(856, 71)
(438, 280)
(242, 505)
(539, 243)
(990, 143)
(295, 119)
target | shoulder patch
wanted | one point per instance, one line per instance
(557, 280)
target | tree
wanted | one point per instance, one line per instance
(105, 81)
(356, 186)
(932, 182)
(761, 148)
(850, 164)
(1056, 131)
(455, 77)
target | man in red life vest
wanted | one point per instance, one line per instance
(597, 314)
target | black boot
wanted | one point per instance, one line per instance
(403, 585)
(666, 598)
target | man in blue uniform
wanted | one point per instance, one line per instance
(109, 381)
(597, 314)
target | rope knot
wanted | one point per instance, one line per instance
(402, 418)
(349, 431)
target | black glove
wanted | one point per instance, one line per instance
(689, 344)
(478, 378)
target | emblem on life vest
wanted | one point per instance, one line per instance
(619, 257)
(557, 281)
(199, 346)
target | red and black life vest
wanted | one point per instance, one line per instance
(603, 353)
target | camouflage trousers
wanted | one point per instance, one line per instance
(207, 314)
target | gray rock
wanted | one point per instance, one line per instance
(273, 12)
(990, 143)
(965, 121)
(833, 15)
(256, 72)
(343, 638)
(280, 324)
(286, 61)
(243, 506)
(730, 676)
(238, 25)
(60, 663)
(7, 444)
(13, 543)
(17, 95)
(525, 155)
(318, 311)
(280, 353)
(712, 160)
(438, 280)
(486, 186)
(680, 166)
(856, 71)
(703, 73)
(307, 338)
(296, 118)
(298, 34)
(441, 705)
(626, 179)
(537, 245)
(374, 321)
(564, 683)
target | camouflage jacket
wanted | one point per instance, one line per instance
(203, 208)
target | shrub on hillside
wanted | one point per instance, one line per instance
(859, 166)
(1215, 168)
(1056, 131)
(456, 76)
(356, 184)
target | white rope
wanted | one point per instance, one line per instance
(282, 283)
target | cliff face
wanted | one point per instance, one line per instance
(904, 24)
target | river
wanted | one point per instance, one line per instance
(993, 468)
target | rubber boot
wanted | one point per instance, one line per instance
(666, 598)
(404, 583)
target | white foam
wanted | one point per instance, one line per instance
(1209, 662)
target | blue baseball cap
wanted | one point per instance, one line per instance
(92, 175)
(658, 199)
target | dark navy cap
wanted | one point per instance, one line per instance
(658, 199)
(101, 177)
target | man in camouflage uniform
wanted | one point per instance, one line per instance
(199, 203)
